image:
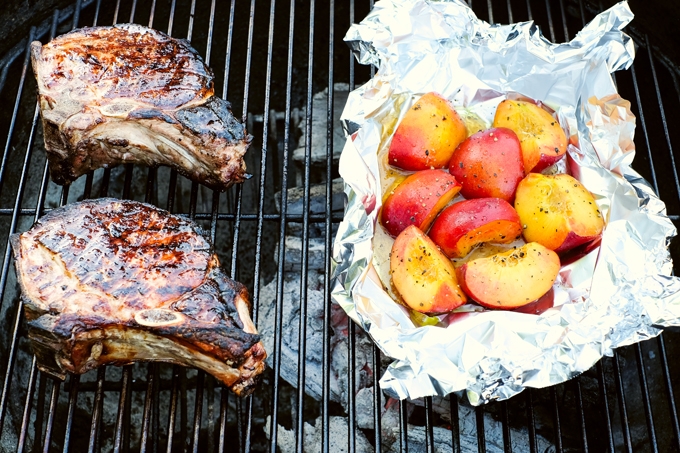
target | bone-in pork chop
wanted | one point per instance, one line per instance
(113, 282)
(131, 94)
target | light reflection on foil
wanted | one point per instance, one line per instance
(618, 294)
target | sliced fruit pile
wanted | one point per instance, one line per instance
(458, 198)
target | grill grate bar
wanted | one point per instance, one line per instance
(481, 435)
(97, 407)
(605, 405)
(455, 423)
(644, 128)
(198, 410)
(507, 441)
(278, 310)
(54, 398)
(663, 113)
(429, 429)
(326, 354)
(564, 21)
(582, 416)
(302, 340)
(556, 420)
(622, 403)
(376, 398)
(646, 398)
(27, 406)
(532, 421)
(551, 27)
(403, 426)
(173, 408)
(150, 397)
(669, 388)
(118, 443)
(17, 103)
(352, 384)
(261, 198)
(74, 380)
(224, 408)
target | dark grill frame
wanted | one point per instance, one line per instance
(559, 410)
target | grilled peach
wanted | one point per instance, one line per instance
(510, 279)
(417, 200)
(424, 276)
(489, 164)
(557, 211)
(540, 135)
(463, 225)
(427, 135)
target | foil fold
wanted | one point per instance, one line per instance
(620, 293)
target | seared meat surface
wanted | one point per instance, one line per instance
(131, 94)
(109, 281)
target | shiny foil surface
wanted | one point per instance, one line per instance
(620, 293)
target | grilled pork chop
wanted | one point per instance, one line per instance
(109, 281)
(131, 94)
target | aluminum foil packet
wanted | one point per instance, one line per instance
(620, 293)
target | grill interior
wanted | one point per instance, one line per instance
(274, 60)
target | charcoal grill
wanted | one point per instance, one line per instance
(270, 60)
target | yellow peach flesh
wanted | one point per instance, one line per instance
(424, 277)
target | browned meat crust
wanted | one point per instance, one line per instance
(131, 94)
(112, 282)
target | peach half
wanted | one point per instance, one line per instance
(427, 135)
(418, 200)
(557, 211)
(540, 135)
(489, 164)
(510, 279)
(422, 275)
(462, 226)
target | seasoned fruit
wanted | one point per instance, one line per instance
(489, 164)
(510, 279)
(427, 135)
(542, 139)
(463, 225)
(557, 211)
(424, 276)
(417, 200)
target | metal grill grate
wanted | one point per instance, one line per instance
(272, 59)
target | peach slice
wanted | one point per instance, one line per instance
(418, 200)
(427, 135)
(489, 164)
(424, 276)
(542, 139)
(510, 279)
(463, 225)
(557, 211)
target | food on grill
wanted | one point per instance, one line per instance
(464, 225)
(542, 139)
(417, 200)
(510, 279)
(131, 94)
(427, 135)
(489, 164)
(448, 250)
(423, 275)
(558, 211)
(113, 282)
